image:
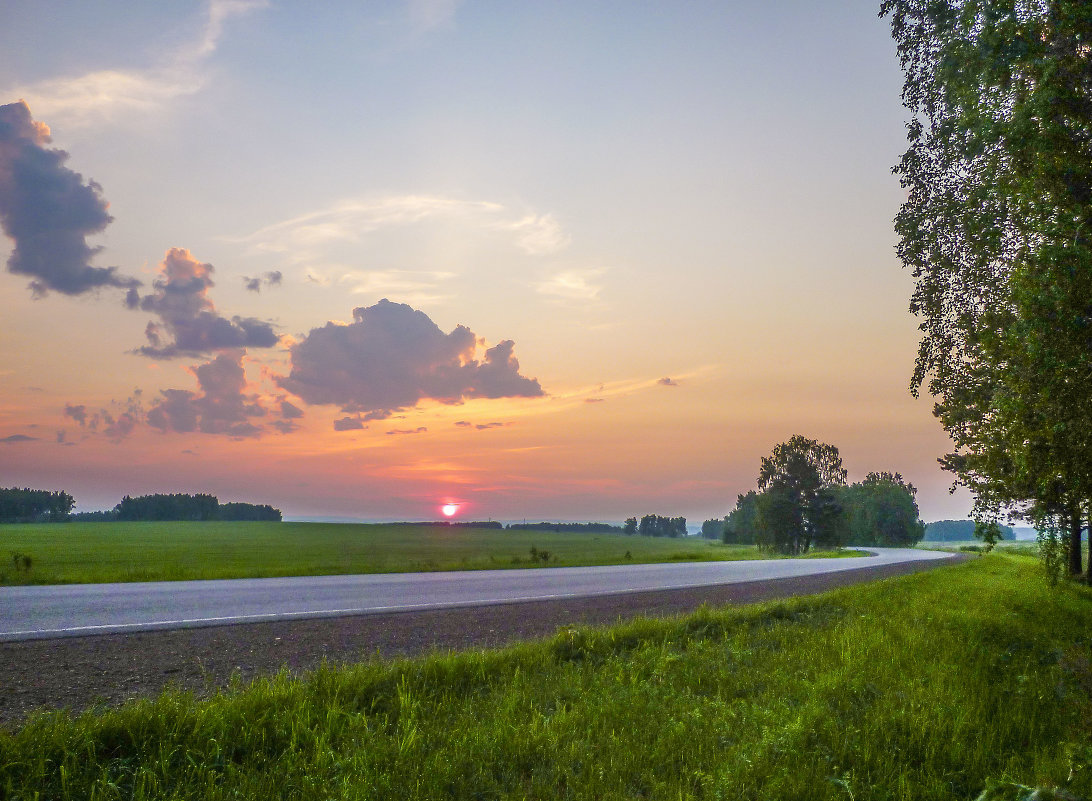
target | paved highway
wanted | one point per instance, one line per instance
(78, 609)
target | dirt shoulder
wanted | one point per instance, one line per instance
(109, 669)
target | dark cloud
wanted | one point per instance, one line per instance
(667, 382)
(118, 428)
(271, 278)
(77, 413)
(464, 424)
(418, 430)
(49, 211)
(189, 324)
(594, 400)
(290, 411)
(484, 426)
(220, 407)
(392, 357)
(13, 438)
(349, 424)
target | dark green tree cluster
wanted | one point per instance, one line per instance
(957, 531)
(881, 510)
(586, 528)
(714, 529)
(34, 506)
(657, 526)
(740, 527)
(997, 229)
(181, 506)
(803, 501)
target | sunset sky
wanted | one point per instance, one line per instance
(564, 260)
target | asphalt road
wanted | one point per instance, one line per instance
(39, 612)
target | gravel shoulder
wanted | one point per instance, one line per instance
(106, 670)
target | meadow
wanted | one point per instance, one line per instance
(959, 681)
(65, 553)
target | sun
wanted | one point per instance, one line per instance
(449, 509)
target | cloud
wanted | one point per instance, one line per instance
(392, 357)
(484, 426)
(106, 95)
(310, 237)
(49, 211)
(594, 400)
(13, 438)
(188, 316)
(463, 424)
(271, 278)
(349, 424)
(220, 407)
(667, 382)
(77, 413)
(426, 15)
(572, 285)
(290, 411)
(400, 431)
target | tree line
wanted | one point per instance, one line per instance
(42, 506)
(34, 506)
(803, 501)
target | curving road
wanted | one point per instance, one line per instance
(40, 612)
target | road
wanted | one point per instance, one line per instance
(39, 612)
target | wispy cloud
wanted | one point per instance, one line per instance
(426, 15)
(104, 95)
(309, 237)
(572, 285)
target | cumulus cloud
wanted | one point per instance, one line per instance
(189, 324)
(222, 405)
(77, 413)
(49, 211)
(392, 357)
(349, 424)
(105, 95)
(271, 278)
(400, 431)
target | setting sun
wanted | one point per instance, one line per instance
(449, 509)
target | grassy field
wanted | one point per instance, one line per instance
(938, 685)
(64, 553)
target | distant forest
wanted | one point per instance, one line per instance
(957, 530)
(42, 506)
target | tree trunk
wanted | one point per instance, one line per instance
(1089, 574)
(1075, 540)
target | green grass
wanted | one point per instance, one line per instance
(64, 553)
(931, 686)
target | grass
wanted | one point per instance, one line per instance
(938, 685)
(66, 553)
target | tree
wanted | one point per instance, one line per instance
(631, 525)
(881, 510)
(714, 529)
(996, 230)
(798, 507)
(740, 526)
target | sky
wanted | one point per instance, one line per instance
(553, 261)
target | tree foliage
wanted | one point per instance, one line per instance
(34, 506)
(798, 507)
(740, 526)
(996, 230)
(882, 510)
(657, 526)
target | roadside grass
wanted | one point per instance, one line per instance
(67, 553)
(938, 685)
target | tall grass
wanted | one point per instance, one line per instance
(931, 686)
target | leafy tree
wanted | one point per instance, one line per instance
(996, 231)
(34, 506)
(798, 507)
(657, 526)
(631, 525)
(882, 510)
(956, 530)
(714, 529)
(740, 527)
